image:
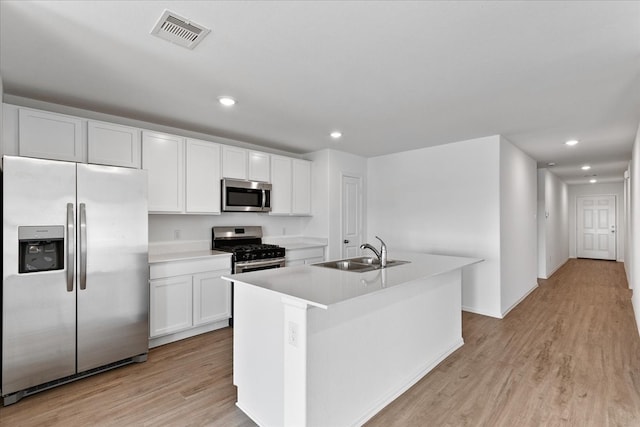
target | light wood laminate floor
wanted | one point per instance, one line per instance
(568, 355)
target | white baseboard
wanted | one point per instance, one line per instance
(483, 313)
(166, 339)
(519, 301)
(636, 313)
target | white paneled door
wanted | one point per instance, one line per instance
(596, 223)
(351, 215)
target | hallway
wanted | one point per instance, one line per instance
(569, 354)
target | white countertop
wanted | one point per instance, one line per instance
(180, 256)
(296, 242)
(323, 287)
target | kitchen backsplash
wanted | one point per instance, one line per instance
(164, 228)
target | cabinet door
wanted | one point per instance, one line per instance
(211, 297)
(162, 157)
(281, 182)
(259, 166)
(301, 194)
(171, 305)
(234, 162)
(113, 145)
(202, 177)
(50, 136)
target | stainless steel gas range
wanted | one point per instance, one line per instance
(249, 253)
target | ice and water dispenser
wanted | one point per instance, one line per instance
(41, 248)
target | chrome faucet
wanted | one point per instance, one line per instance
(382, 254)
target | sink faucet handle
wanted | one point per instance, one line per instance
(381, 241)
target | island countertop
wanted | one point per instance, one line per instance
(323, 287)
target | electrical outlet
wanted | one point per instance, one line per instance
(176, 234)
(293, 334)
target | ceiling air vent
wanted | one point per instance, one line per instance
(178, 30)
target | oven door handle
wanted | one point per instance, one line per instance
(272, 261)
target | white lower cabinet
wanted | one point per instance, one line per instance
(170, 305)
(183, 304)
(211, 298)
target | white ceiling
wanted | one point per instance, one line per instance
(392, 76)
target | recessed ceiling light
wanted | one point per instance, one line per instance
(585, 167)
(227, 101)
(551, 164)
(593, 181)
(336, 134)
(572, 142)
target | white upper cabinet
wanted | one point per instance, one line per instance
(184, 174)
(240, 163)
(281, 194)
(50, 136)
(259, 166)
(163, 158)
(202, 177)
(291, 181)
(113, 145)
(301, 191)
(234, 162)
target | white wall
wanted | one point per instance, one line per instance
(615, 188)
(328, 168)
(627, 223)
(518, 226)
(633, 263)
(553, 223)
(444, 200)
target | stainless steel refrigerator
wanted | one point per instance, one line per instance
(75, 291)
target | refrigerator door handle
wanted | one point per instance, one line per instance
(71, 238)
(83, 247)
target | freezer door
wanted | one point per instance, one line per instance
(38, 309)
(113, 269)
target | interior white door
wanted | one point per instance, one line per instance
(596, 227)
(351, 215)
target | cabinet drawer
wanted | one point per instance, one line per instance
(200, 265)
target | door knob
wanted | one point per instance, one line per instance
(346, 241)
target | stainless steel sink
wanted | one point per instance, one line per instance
(358, 264)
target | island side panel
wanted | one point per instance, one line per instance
(364, 353)
(258, 353)
(295, 362)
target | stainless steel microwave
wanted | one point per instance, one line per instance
(245, 196)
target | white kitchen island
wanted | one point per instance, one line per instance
(315, 346)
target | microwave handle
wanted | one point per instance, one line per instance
(264, 198)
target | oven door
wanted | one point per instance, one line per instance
(247, 266)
